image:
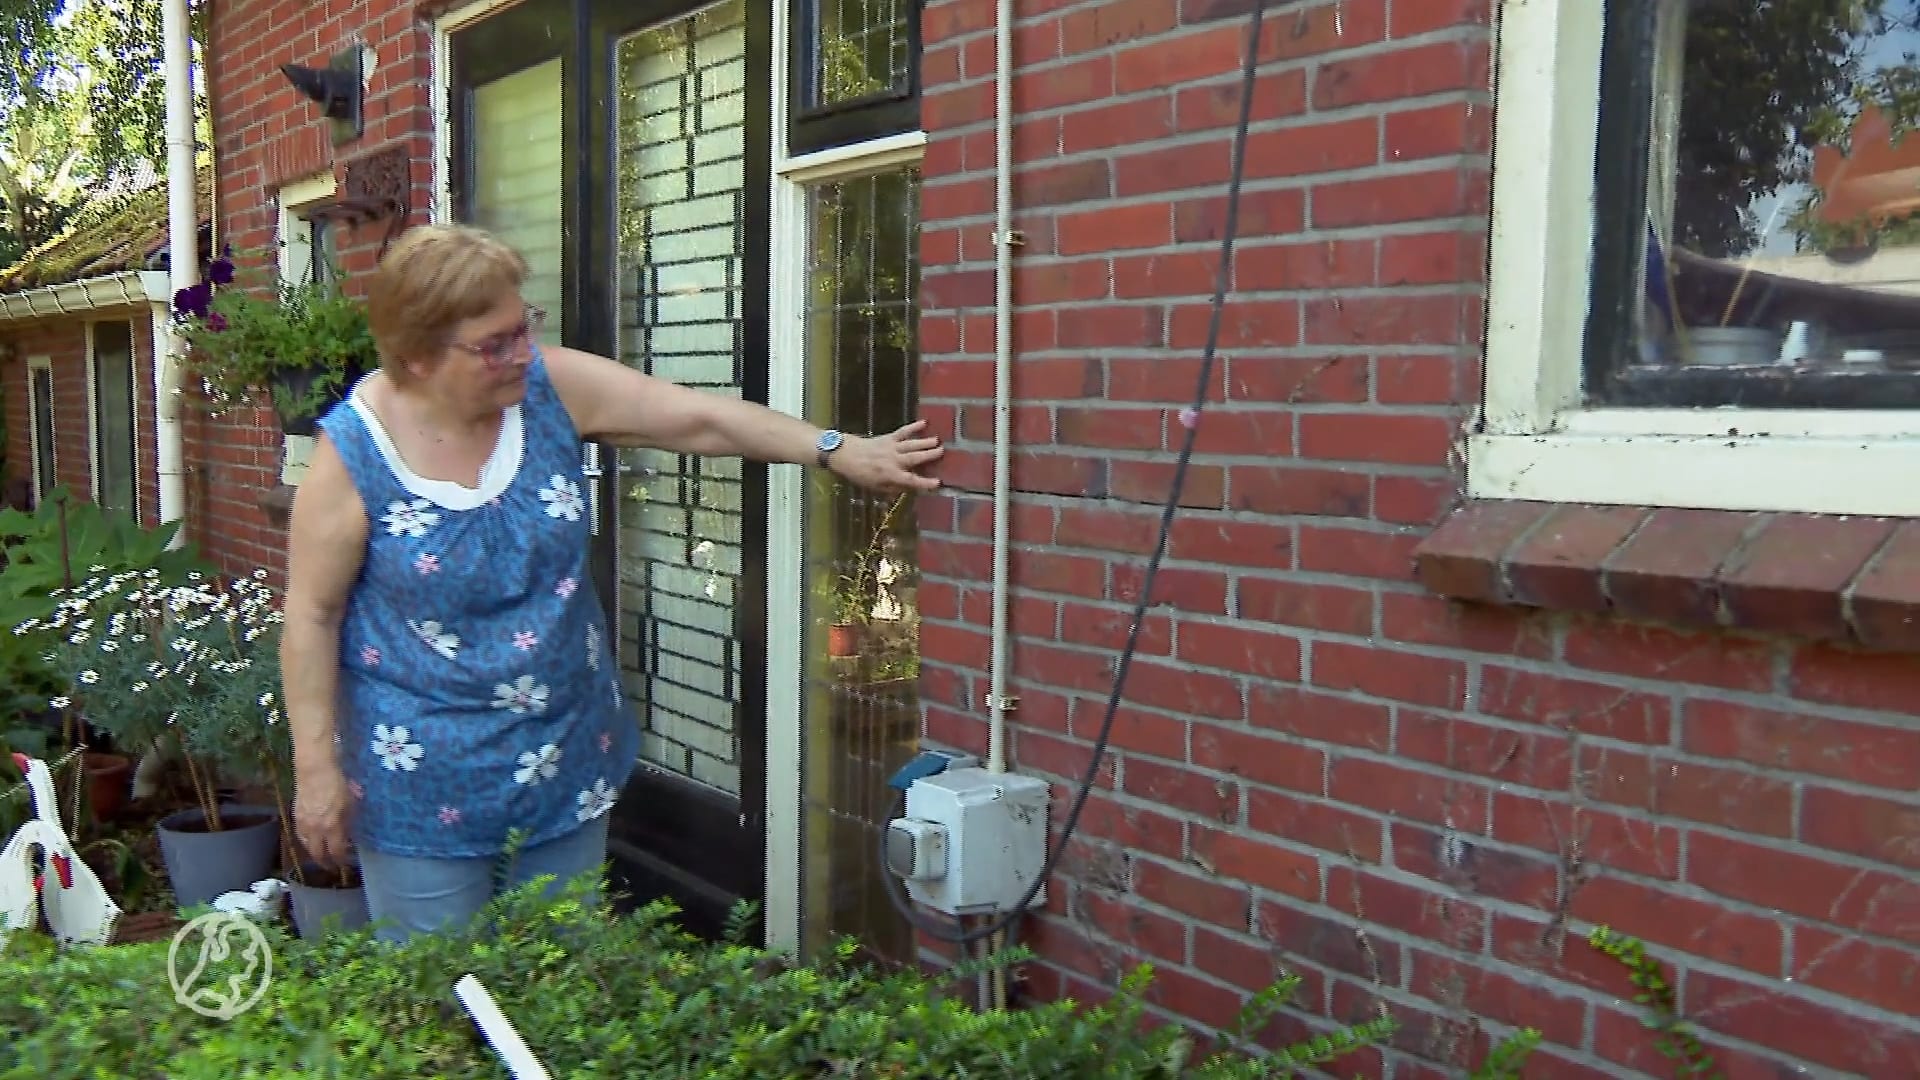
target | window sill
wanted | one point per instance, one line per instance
(1854, 580)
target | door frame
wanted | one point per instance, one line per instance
(780, 767)
(659, 855)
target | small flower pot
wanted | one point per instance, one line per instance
(109, 778)
(327, 903)
(843, 639)
(203, 863)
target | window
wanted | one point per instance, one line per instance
(855, 71)
(309, 250)
(40, 415)
(1705, 278)
(110, 374)
(848, 234)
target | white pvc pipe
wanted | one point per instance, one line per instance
(183, 249)
(1002, 379)
(995, 985)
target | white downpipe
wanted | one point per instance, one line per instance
(183, 240)
(1002, 378)
(1003, 241)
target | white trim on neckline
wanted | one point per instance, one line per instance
(495, 476)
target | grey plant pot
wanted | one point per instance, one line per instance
(319, 910)
(202, 864)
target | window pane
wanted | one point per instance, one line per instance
(44, 475)
(113, 415)
(1782, 231)
(685, 536)
(861, 708)
(516, 178)
(860, 49)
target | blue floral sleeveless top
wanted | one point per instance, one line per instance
(479, 692)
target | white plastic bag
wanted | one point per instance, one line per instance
(77, 906)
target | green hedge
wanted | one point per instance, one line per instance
(595, 995)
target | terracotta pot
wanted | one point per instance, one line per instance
(843, 639)
(108, 779)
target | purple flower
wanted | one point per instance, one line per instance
(220, 272)
(193, 300)
(216, 321)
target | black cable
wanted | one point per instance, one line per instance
(1191, 421)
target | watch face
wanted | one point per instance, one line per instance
(830, 441)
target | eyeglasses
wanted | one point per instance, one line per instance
(501, 349)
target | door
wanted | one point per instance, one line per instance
(659, 115)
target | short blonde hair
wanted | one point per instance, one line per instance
(431, 280)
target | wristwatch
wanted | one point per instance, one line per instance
(828, 442)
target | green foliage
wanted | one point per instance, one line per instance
(593, 995)
(244, 336)
(62, 541)
(1675, 1040)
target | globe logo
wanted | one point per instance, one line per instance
(219, 965)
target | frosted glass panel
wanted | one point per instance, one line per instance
(681, 170)
(516, 182)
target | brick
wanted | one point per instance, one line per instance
(1464, 559)
(1557, 565)
(1259, 760)
(1436, 682)
(1267, 866)
(1735, 799)
(1872, 827)
(1878, 975)
(1401, 73)
(1203, 898)
(1525, 758)
(1376, 437)
(1792, 575)
(1405, 793)
(1810, 1031)
(1883, 604)
(1576, 706)
(1879, 755)
(1660, 917)
(1668, 569)
(1630, 843)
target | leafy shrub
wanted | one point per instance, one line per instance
(594, 995)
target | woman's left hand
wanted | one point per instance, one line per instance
(889, 463)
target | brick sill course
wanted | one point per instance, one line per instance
(1852, 580)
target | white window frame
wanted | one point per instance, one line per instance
(42, 484)
(786, 392)
(1534, 438)
(92, 354)
(297, 200)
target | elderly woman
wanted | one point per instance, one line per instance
(449, 676)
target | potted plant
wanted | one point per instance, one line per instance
(304, 343)
(191, 669)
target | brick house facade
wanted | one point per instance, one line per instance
(1407, 744)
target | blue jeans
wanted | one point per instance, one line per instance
(409, 895)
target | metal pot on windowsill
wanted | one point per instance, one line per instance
(1730, 346)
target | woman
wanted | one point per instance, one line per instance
(449, 677)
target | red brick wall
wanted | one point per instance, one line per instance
(269, 135)
(64, 343)
(1322, 768)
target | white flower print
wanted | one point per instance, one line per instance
(449, 815)
(369, 656)
(606, 741)
(595, 801)
(562, 497)
(413, 519)
(426, 563)
(521, 696)
(593, 647)
(538, 765)
(437, 637)
(396, 748)
(565, 587)
(525, 640)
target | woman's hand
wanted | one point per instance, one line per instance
(889, 463)
(321, 804)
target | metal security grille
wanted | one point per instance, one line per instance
(861, 48)
(682, 172)
(862, 707)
